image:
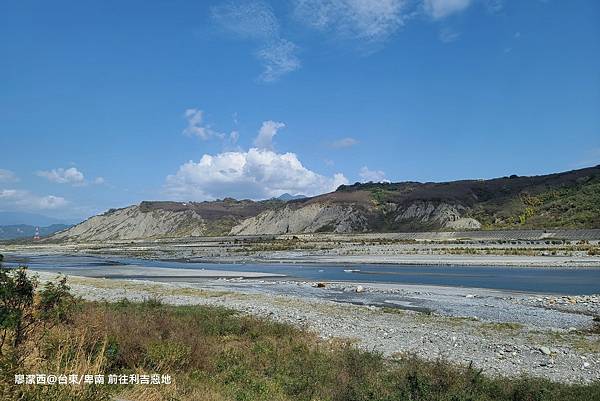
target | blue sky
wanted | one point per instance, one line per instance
(107, 103)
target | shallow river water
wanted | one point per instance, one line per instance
(574, 281)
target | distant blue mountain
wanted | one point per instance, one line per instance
(31, 219)
(27, 231)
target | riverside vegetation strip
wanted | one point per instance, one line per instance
(215, 353)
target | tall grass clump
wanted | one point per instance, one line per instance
(35, 338)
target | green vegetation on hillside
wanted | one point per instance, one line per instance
(576, 206)
(569, 200)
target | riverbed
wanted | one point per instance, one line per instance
(552, 280)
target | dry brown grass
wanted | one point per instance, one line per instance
(215, 354)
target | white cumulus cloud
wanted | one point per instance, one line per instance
(64, 176)
(438, 9)
(367, 174)
(255, 174)
(267, 131)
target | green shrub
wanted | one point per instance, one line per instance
(168, 355)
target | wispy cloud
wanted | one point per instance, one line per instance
(370, 20)
(439, 9)
(494, 6)
(278, 58)
(366, 174)
(248, 20)
(71, 176)
(63, 176)
(17, 199)
(341, 143)
(375, 21)
(8, 176)
(256, 21)
(370, 23)
(264, 139)
(448, 35)
(513, 42)
(197, 127)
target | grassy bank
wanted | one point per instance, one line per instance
(217, 354)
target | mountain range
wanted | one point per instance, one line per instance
(17, 231)
(30, 219)
(563, 200)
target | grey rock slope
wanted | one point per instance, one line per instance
(131, 223)
(347, 218)
(165, 220)
(311, 218)
(569, 200)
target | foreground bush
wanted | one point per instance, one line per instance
(27, 317)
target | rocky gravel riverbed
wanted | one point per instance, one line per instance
(487, 305)
(584, 304)
(477, 248)
(501, 333)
